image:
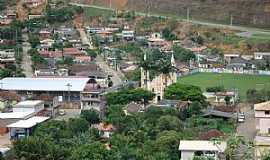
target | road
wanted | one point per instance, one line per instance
(247, 128)
(26, 59)
(240, 28)
(117, 76)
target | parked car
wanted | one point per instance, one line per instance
(241, 117)
(62, 112)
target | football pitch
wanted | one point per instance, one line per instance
(230, 81)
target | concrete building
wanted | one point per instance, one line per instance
(23, 128)
(262, 118)
(189, 149)
(261, 55)
(29, 106)
(159, 83)
(7, 56)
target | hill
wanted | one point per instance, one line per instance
(243, 12)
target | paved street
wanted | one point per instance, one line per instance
(248, 128)
(117, 76)
(26, 60)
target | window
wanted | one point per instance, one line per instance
(267, 112)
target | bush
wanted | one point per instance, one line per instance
(215, 89)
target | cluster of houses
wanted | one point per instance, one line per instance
(72, 48)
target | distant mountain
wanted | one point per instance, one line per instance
(254, 13)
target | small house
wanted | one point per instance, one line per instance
(191, 148)
(105, 130)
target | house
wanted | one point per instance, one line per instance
(45, 72)
(261, 55)
(262, 122)
(46, 44)
(91, 97)
(191, 148)
(82, 59)
(23, 128)
(220, 97)
(105, 36)
(5, 20)
(29, 106)
(7, 56)
(51, 54)
(155, 41)
(44, 34)
(262, 116)
(128, 35)
(33, 3)
(72, 52)
(105, 130)
(229, 57)
(238, 64)
(65, 32)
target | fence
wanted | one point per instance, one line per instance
(223, 70)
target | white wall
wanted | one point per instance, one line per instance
(187, 155)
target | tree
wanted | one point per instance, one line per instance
(91, 116)
(77, 125)
(169, 123)
(227, 100)
(168, 35)
(178, 91)
(126, 96)
(34, 40)
(183, 54)
(38, 148)
(215, 89)
(92, 53)
(91, 151)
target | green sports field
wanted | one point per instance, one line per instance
(229, 81)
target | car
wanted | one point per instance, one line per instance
(62, 112)
(241, 115)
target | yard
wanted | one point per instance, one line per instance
(229, 81)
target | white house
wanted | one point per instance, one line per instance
(128, 34)
(23, 128)
(29, 106)
(190, 148)
(261, 55)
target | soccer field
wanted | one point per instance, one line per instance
(229, 81)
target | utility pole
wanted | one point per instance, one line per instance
(188, 14)
(110, 4)
(69, 86)
(231, 23)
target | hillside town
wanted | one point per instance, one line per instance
(86, 82)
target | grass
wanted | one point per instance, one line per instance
(90, 12)
(229, 81)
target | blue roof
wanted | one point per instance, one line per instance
(43, 84)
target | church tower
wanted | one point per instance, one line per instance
(173, 75)
(145, 78)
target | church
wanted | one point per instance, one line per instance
(159, 83)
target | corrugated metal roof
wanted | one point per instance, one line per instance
(44, 84)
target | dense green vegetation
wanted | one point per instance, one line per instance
(230, 81)
(62, 14)
(126, 96)
(258, 96)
